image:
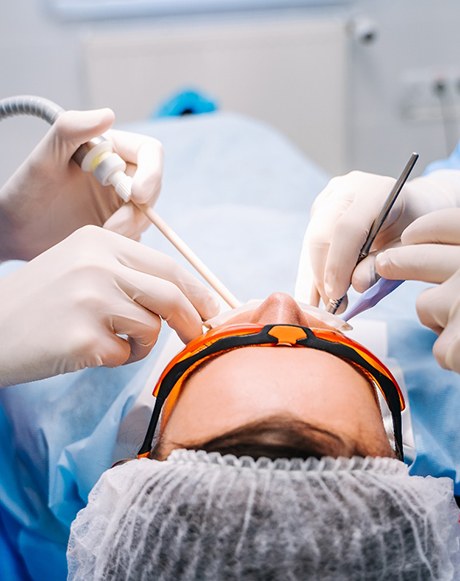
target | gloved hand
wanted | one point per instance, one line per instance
(341, 218)
(49, 196)
(430, 252)
(66, 309)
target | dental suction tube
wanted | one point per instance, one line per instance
(30, 105)
(97, 156)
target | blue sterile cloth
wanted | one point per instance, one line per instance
(452, 162)
(240, 194)
(436, 410)
(57, 437)
(434, 393)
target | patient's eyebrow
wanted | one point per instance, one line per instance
(276, 436)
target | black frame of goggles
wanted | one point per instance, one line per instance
(262, 337)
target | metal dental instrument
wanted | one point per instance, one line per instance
(334, 304)
(97, 156)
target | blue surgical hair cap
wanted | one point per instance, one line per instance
(203, 516)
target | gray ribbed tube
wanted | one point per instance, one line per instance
(30, 105)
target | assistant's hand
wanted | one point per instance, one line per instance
(66, 309)
(430, 252)
(49, 196)
(341, 218)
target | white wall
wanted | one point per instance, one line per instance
(288, 71)
(413, 35)
(39, 55)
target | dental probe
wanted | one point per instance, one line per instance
(97, 156)
(334, 304)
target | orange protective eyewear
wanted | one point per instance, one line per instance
(222, 339)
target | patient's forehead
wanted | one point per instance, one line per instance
(273, 365)
(254, 382)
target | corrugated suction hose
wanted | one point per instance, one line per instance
(30, 105)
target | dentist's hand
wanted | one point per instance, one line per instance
(97, 298)
(49, 196)
(430, 252)
(341, 218)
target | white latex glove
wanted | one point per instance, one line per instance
(49, 196)
(66, 309)
(430, 252)
(341, 218)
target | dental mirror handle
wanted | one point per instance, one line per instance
(382, 288)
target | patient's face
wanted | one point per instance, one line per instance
(252, 383)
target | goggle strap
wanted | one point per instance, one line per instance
(179, 369)
(223, 344)
(397, 432)
(348, 353)
(147, 443)
(391, 397)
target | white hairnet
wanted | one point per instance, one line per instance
(207, 516)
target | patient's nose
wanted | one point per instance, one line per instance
(279, 308)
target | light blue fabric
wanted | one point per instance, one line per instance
(434, 393)
(239, 193)
(57, 437)
(452, 162)
(435, 404)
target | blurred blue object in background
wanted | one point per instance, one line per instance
(452, 162)
(186, 102)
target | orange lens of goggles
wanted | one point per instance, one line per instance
(226, 338)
